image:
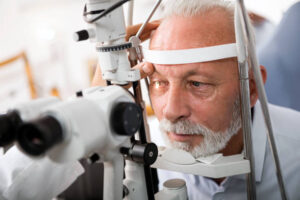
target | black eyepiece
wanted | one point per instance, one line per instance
(38, 136)
(9, 124)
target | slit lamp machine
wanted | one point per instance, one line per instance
(109, 125)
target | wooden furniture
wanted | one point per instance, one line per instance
(22, 56)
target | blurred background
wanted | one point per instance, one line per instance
(38, 56)
(40, 31)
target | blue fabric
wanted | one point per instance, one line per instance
(281, 57)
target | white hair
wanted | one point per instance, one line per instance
(190, 8)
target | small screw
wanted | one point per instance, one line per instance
(150, 154)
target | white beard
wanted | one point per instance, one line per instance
(212, 142)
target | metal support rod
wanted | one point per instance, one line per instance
(245, 104)
(135, 40)
(247, 132)
(139, 100)
(262, 96)
(143, 133)
(148, 90)
(148, 19)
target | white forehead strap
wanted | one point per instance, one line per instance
(195, 55)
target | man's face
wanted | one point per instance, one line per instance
(204, 94)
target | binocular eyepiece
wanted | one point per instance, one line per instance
(38, 136)
(34, 137)
(9, 124)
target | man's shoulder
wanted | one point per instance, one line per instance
(285, 121)
(286, 127)
(276, 109)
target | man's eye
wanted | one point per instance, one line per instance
(158, 87)
(196, 83)
(158, 84)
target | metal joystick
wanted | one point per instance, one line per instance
(9, 124)
(81, 35)
(141, 153)
(38, 136)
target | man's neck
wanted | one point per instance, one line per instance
(234, 146)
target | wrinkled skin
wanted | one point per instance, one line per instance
(200, 92)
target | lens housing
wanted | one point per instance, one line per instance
(38, 136)
(9, 124)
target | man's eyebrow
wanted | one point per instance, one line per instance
(197, 73)
(191, 73)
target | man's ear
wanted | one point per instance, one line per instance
(263, 72)
(252, 84)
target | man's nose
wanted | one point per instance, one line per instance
(176, 106)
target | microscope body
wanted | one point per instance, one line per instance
(95, 125)
(86, 123)
(108, 33)
(31, 109)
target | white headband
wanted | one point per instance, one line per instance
(195, 55)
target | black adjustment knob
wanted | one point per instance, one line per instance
(37, 136)
(9, 124)
(126, 118)
(79, 94)
(141, 153)
(81, 35)
(144, 153)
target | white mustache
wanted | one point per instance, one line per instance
(183, 127)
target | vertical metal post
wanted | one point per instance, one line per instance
(245, 104)
(261, 93)
(247, 132)
(143, 133)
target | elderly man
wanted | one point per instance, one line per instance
(198, 104)
(199, 108)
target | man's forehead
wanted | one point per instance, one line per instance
(197, 39)
(178, 32)
(207, 70)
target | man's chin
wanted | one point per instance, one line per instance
(181, 145)
(199, 150)
(185, 143)
(196, 152)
